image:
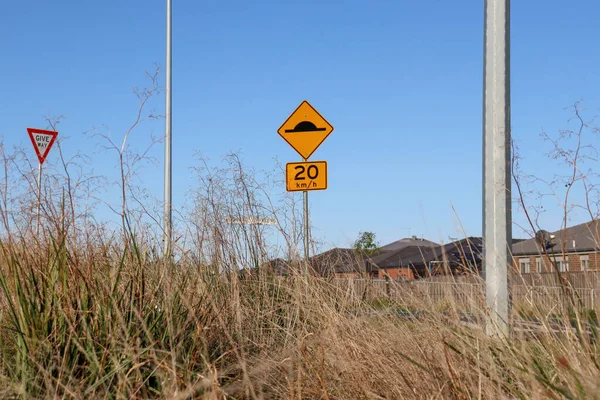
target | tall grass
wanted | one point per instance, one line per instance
(120, 328)
(92, 312)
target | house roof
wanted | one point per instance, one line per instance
(470, 248)
(338, 260)
(412, 256)
(578, 238)
(402, 257)
(467, 249)
(407, 242)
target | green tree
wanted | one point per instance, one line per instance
(366, 243)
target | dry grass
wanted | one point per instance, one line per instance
(89, 312)
(122, 328)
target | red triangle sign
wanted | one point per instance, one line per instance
(42, 141)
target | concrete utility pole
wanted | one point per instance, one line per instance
(168, 163)
(497, 218)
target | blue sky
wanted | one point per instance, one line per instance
(401, 82)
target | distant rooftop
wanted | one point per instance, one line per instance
(407, 242)
(416, 255)
(582, 237)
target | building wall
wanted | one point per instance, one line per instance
(397, 273)
(575, 262)
(594, 262)
(547, 262)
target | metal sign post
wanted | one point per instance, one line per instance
(42, 141)
(497, 219)
(39, 199)
(306, 176)
(305, 130)
(306, 226)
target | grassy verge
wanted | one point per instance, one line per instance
(131, 326)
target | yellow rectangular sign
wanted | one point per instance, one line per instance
(302, 176)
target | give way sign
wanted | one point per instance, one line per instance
(42, 141)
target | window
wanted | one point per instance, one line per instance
(525, 265)
(585, 262)
(539, 267)
(562, 263)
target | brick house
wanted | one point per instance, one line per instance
(458, 257)
(349, 263)
(340, 263)
(391, 260)
(389, 265)
(572, 249)
(396, 264)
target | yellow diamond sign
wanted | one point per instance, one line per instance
(305, 129)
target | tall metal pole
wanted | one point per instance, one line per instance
(39, 199)
(168, 152)
(497, 218)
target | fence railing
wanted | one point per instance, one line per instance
(471, 295)
(577, 279)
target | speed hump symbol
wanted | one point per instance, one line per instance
(305, 129)
(304, 176)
